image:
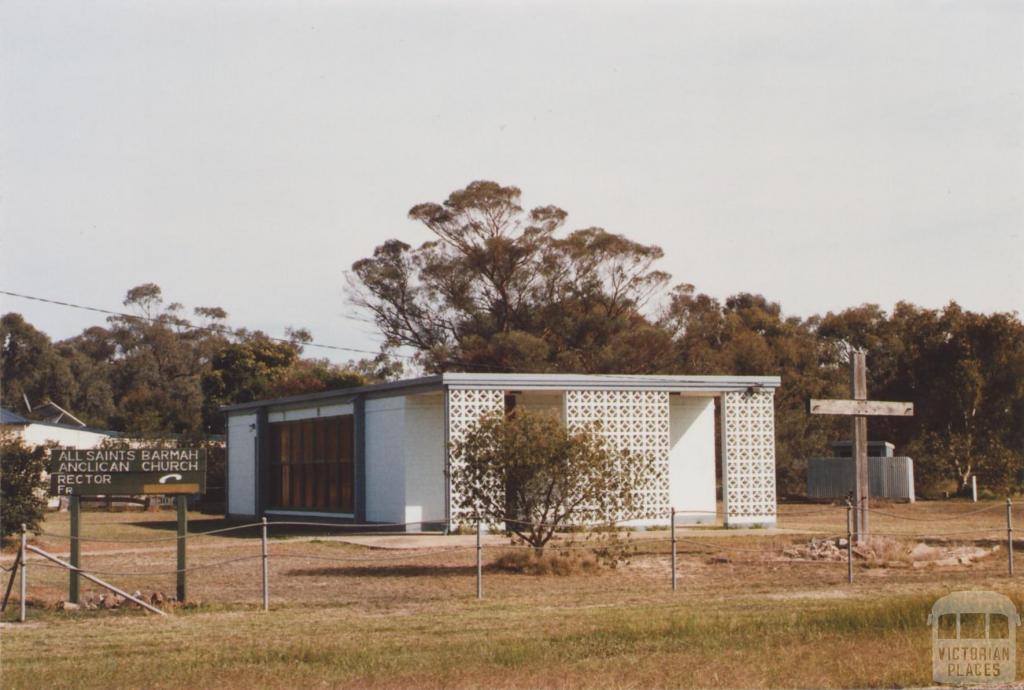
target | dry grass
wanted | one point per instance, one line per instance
(529, 562)
(348, 616)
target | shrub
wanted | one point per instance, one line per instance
(535, 476)
(533, 562)
(22, 488)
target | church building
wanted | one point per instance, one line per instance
(379, 453)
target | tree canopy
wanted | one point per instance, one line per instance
(498, 289)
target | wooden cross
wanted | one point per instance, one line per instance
(860, 408)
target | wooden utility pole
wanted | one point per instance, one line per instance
(862, 484)
(860, 408)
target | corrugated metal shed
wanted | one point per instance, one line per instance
(888, 477)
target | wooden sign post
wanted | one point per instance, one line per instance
(860, 408)
(178, 472)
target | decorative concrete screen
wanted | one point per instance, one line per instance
(748, 457)
(636, 421)
(465, 408)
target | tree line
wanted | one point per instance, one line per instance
(504, 289)
(158, 371)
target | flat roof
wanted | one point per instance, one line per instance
(711, 385)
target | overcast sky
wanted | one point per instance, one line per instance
(244, 154)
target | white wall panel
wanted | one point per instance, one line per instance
(424, 459)
(242, 464)
(692, 458)
(385, 460)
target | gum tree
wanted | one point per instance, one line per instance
(501, 287)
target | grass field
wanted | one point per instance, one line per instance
(346, 615)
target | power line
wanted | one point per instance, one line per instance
(222, 330)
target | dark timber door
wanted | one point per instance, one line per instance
(311, 465)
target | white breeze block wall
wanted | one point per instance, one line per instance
(465, 407)
(424, 460)
(242, 464)
(691, 459)
(637, 421)
(748, 458)
(385, 460)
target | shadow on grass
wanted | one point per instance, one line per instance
(198, 526)
(275, 531)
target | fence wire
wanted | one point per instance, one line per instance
(596, 538)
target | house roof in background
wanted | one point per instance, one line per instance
(53, 413)
(8, 417)
(13, 418)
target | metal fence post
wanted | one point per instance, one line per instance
(266, 563)
(180, 589)
(75, 509)
(24, 571)
(479, 559)
(849, 541)
(673, 527)
(1009, 536)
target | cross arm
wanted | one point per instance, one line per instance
(862, 408)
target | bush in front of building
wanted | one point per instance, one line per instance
(532, 563)
(529, 474)
(22, 487)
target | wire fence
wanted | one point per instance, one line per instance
(828, 547)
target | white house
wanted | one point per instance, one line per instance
(380, 453)
(67, 435)
(71, 434)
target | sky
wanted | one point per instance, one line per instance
(245, 154)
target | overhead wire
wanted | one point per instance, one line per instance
(228, 331)
(221, 330)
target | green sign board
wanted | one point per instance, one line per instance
(110, 471)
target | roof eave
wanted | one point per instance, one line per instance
(708, 385)
(343, 394)
(694, 384)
